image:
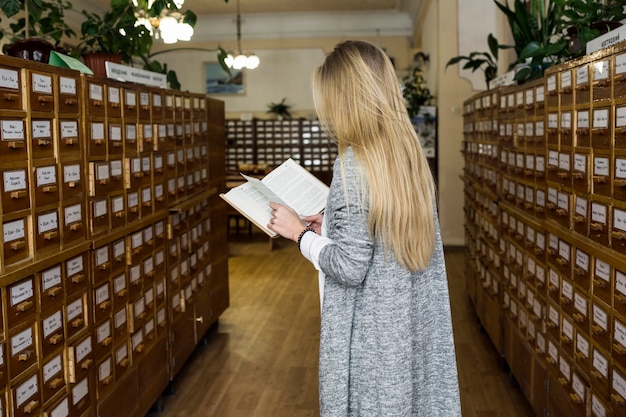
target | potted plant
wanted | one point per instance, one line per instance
(485, 61)
(280, 109)
(36, 27)
(114, 36)
(415, 91)
(536, 29)
(585, 20)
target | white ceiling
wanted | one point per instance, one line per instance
(272, 19)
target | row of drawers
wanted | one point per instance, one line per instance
(64, 91)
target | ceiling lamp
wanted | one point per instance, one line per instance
(168, 26)
(248, 60)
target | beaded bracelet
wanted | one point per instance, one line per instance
(307, 229)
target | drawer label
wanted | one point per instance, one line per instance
(601, 166)
(104, 369)
(620, 116)
(563, 201)
(103, 171)
(580, 304)
(83, 349)
(145, 164)
(597, 408)
(131, 132)
(69, 129)
(553, 121)
(156, 100)
(121, 353)
(148, 265)
(582, 344)
(582, 260)
(619, 333)
(119, 283)
(79, 391)
(115, 133)
(144, 98)
(620, 168)
(582, 75)
(14, 180)
(74, 309)
(161, 316)
(21, 341)
(96, 92)
(22, 292)
(116, 168)
(578, 386)
(100, 208)
(619, 219)
(620, 282)
(26, 390)
(564, 161)
(120, 318)
(73, 214)
(146, 195)
(113, 94)
(600, 317)
(139, 307)
(619, 383)
(117, 204)
(133, 199)
(565, 368)
(71, 173)
(566, 79)
(135, 273)
(52, 324)
(13, 130)
(97, 131)
(52, 368)
(567, 290)
(67, 86)
(147, 131)
(131, 98)
(601, 118)
(104, 331)
(51, 278)
(601, 364)
(102, 255)
(159, 257)
(41, 129)
(119, 248)
(602, 270)
(158, 161)
(74, 266)
(102, 294)
(137, 339)
(598, 213)
(46, 175)
(566, 120)
(580, 163)
(42, 83)
(14, 230)
(601, 70)
(149, 296)
(9, 79)
(582, 119)
(136, 240)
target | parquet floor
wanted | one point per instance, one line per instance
(261, 359)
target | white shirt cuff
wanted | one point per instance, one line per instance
(311, 245)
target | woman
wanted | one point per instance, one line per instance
(386, 345)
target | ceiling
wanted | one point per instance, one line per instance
(213, 7)
(274, 19)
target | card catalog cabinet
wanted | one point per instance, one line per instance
(545, 234)
(88, 213)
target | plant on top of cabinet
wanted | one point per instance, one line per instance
(585, 20)
(36, 27)
(485, 61)
(280, 109)
(538, 41)
(415, 92)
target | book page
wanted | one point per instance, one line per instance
(253, 201)
(300, 189)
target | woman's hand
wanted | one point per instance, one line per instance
(315, 222)
(286, 222)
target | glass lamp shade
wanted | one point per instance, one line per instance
(168, 27)
(185, 32)
(229, 60)
(240, 61)
(253, 61)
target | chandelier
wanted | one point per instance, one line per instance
(169, 25)
(248, 60)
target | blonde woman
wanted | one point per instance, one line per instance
(386, 344)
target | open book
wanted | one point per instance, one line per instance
(289, 184)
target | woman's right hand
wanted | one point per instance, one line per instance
(315, 222)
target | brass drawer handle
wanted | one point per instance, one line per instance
(31, 406)
(575, 398)
(598, 227)
(86, 363)
(45, 99)
(20, 244)
(26, 305)
(19, 194)
(44, 142)
(78, 278)
(51, 235)
(107, 341)
(618, 235)
(77, 323)
(599, 283)
(54, 291)
(620, 182)
(24, 356)
(56, 383)
(617, 399)
(619, 349)
(579, 219)
(16, 144)
(76, 226)
(104, 305)
(49, 189)
(55, 339)
(11, 97)
(597, 329)
(71, 141)
(70, 101)
(599, 178)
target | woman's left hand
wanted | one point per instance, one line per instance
(286, 222)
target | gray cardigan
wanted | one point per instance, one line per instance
(386, 344)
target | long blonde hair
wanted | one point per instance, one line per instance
(358, 101)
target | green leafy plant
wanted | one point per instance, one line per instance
(415, 91)
(485, 61)
(585, 20)
(115, 32)
(280, 109)
(44, 19)
(536, 29)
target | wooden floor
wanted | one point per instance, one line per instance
(261, 360)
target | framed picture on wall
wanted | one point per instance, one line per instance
(219, 82)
